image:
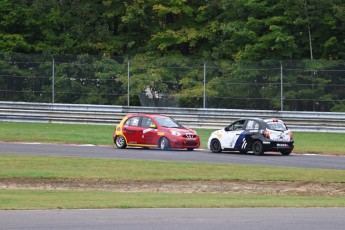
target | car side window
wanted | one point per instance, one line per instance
(134, 121)
(237, 126)
(146, 122)
(252, 125)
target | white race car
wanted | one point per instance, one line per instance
(253, 134)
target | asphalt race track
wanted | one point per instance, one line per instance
(169, 219)
(269, 159)
(176, 219)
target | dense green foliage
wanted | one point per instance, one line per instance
(233, 30)
(183, 53)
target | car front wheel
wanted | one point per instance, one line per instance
(164, 144)
(120, 142)
(215, 146)
(258, 148)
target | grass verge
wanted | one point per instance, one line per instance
(15, 166)
(32, 199)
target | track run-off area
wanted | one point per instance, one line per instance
(205, 156)
(176, 218)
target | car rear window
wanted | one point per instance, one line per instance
(277, 126)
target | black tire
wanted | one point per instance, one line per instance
(164, 143)
(258, 148)
(190, 149)
(215, 146)
(120, 142)
(285, 152)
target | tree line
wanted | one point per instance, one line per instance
(204, 29)
(168, 43)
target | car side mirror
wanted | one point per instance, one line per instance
(153, 126)
(226, 128)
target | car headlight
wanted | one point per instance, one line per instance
(175, 133)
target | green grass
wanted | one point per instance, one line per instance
(56, 133)
(69, 167)
(320, 143)
(35, 199)
(305, 142)
(15, 166)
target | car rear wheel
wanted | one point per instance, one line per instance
(258, 148)
(164, 143)
(120, 142)
(215, 146)
(285, 152)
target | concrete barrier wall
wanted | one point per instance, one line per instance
(194, 118)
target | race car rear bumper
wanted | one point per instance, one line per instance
(277, 146)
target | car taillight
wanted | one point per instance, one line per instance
(267, 134)
(291, 136)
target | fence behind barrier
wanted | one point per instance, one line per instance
(301, 85)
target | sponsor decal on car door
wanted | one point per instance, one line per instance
(241, 142)
(150, 136)
(149, 132)
(132, 131)
(133, 134)
(230, 138)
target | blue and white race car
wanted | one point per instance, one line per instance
(253, 134)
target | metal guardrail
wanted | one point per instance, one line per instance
(194, 118)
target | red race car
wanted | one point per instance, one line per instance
(154, 130)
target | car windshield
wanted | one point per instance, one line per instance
(276, 126)
(168, 122)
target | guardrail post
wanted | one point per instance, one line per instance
(53, 79)
(204, 105)
(128, 77)
(281, 88)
